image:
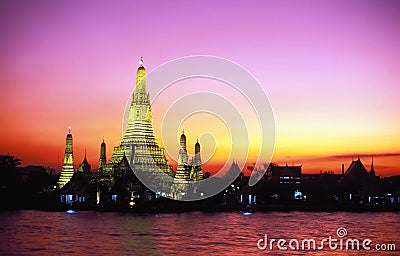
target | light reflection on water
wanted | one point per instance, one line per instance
(195, 233)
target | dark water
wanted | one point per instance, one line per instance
(196, 233)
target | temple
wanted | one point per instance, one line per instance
(138, 157)
(139, 144)
(182, 171)
(102, 160)
(188, 171)
(196, 173)
(68, 167)
(118, 184)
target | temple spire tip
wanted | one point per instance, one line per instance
(141, 62)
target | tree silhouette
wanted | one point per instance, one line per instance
(7, 161)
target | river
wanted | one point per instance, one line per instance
(192, 233)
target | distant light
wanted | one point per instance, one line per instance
(71, 211)
(298, 195)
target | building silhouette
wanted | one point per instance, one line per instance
(372, 172)
(357, 180)
(357, 174)
(84, 166)
(286, 175)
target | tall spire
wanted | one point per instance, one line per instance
(196, 164)
(182, 171)
(140, 92)
(68, 168)
(183, 141)
(141, 61)
(103, 159)
(372, 171)
(139, 143)
(197, 148)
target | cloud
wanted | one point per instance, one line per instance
(356, 155)
(363, 155)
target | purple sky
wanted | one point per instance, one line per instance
(330, 68)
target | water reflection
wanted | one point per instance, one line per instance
(195, 233)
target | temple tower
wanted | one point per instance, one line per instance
(182, 171)
(68, 167)
(103, 158)
(196, 172)
(139, 141)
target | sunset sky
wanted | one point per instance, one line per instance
(331, 70)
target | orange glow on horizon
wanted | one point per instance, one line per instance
(332, 78)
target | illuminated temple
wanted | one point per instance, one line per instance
(139, 145)
(103, 157)
(68, 167)
(186, 171)
(137, 161)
